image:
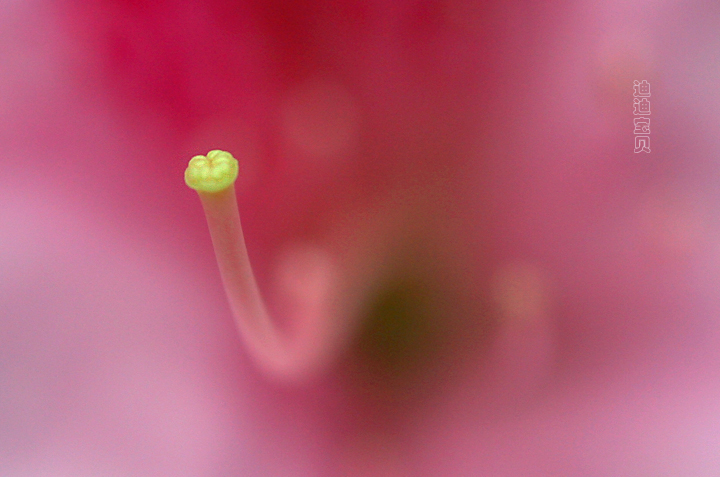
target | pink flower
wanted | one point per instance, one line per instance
(523, 294)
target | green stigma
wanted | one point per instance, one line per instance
(212, 173)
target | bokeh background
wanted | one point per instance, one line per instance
(549, 302)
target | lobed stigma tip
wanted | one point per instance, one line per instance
(212, 173)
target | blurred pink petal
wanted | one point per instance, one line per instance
(549, 305)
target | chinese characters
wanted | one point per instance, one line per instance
(641, 109)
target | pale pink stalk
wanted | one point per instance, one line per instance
(308, 277)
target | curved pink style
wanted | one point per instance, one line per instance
(309, 279)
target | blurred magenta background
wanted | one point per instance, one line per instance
(551, 305)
